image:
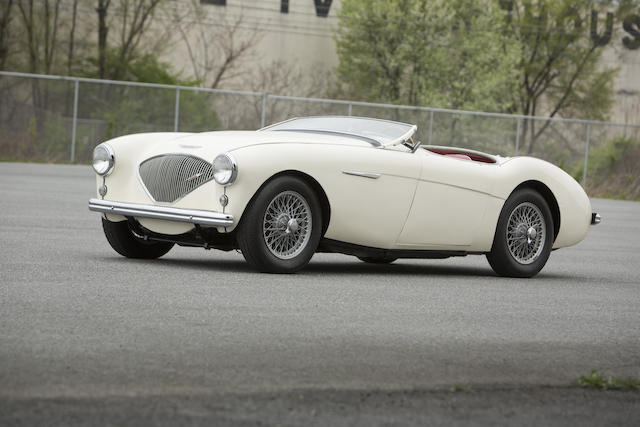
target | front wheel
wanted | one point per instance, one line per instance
(524, 236)
(123, 241)
(282, 227)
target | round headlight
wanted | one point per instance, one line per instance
(103, 159)
(225, 169)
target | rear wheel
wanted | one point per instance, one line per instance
(282, 227)
(524, 236)
(123, 241)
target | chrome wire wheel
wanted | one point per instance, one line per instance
(286, 226)
(526, 233)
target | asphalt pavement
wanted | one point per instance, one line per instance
(197, 337)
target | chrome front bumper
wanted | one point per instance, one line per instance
(193, 216)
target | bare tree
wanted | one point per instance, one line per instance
(5, 22)
(286, 78)
(103, 31)
(136, 18)
(133, 20)
(216, 49)
(72, 36)
(41, 27)
(70, 55)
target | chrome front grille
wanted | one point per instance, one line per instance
(171, 176)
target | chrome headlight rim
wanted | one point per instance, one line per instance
(231, 171)
(110, 159)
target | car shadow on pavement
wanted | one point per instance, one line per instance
(429, 267)
(347, 267)
(397, 268)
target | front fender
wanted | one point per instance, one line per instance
(363, 211)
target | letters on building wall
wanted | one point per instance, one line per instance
(600, 34)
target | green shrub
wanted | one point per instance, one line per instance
(613, 170)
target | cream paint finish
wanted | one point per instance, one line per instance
(458, 202)
(364, 211)
(125, 186)
(575, 207)
(441, 217)
(421, 200)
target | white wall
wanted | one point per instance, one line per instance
(299, 38)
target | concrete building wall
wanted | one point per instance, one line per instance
(626, 108)
(298, 33)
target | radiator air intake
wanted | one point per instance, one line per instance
(170, 177)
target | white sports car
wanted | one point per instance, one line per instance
(356, 186)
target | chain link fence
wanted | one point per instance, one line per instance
(61, 119)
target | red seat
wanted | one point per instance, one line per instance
(459, 156)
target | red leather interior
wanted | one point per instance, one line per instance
(462, 155)
(458, 156)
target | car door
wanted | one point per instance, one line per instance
(370, 192)
(448, 209)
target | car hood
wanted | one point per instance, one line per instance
(207, 145)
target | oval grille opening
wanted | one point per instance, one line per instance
(172, 176)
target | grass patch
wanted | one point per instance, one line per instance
(460, 388)
(597, 380)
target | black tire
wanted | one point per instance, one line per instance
(378, 259)
(259, 224)
(530, 251)
(126, 244)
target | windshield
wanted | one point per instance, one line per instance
(376, 131)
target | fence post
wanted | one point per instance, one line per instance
(518, 136)
(263, 114)
(74, 124)
(586, 157)
(430, 127)
(176, 113)
(350, 109)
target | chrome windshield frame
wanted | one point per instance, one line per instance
(372, 140)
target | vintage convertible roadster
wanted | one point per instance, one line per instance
(356, 186)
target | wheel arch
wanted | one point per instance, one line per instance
(315, 186)
(548, 196)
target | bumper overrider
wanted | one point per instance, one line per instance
(192, 216)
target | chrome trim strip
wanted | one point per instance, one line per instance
(376, 143)
(363, 174)
(193, 216)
